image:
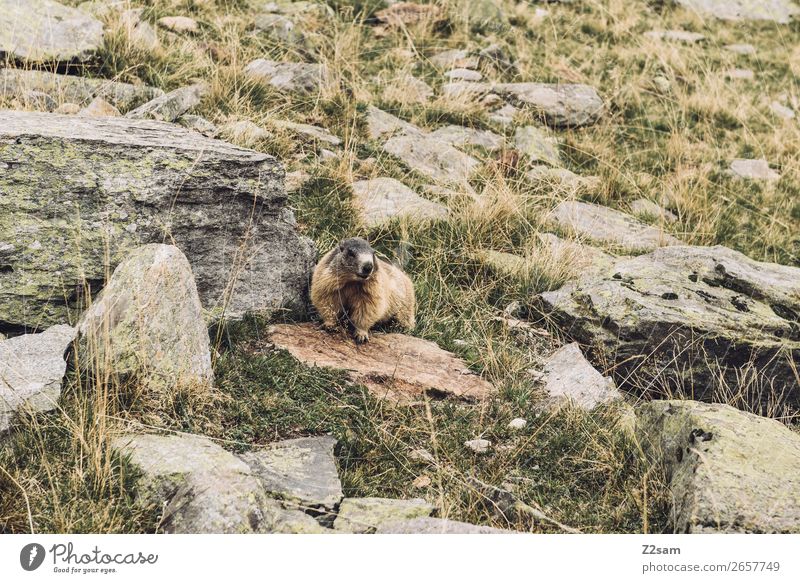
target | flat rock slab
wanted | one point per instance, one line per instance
(562, 105)
(435, 526)
(684, 317)
(365, 515)
(172, 105)
(392, 366)
(39, 31)
(781, 11)
(729, 471)
(382, 199)
(99, 187)
(74, 89)
(32, 368)
(537, 145)
(753, 170)
(569, 377)
(431, 157)
(683, 36)
(460, 137)
(605, 225)
(287, 76)
(381, 124)
(300, 472)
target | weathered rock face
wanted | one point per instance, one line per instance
(147, 324)
(46, 31)
(392, 366)
(382, 199)
(435, 526)
(432, 158)
(776, 10)
(606, 225)
(300, 472)
(462, 136)
(729, 471)
(364, 515)
(74, 89)
(570, 378)
(687, 319)
(32, 368)
(77, 194)
(205, 489)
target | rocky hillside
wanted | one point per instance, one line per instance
(598, 204)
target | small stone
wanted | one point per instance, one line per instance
(402, 14)
(454, 58)
(178, 24)
(198, 124)
(422, 455)
(140, 32)
(648, 208)
(505, 115)
(421, 482)
(381, 124)
(479, 446)
(244, 132)
(683, 36)
(431, 158)
(296, 180)
(571, 378)
(279, 28)
(99, 107)
(662, 84)
(172, 105)
(461, 136)
(287, 76)
(740, 74)
(408, 89)
(781, 110)
(780, 11)
(518, 423)
(313, 133)
(463, 75)
(741, 49)
(753, 170)
(435, 526)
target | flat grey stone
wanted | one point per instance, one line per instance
(647, 208)
(314, 133)
(365, 515)
(683, 36)
(198, 124)
(567, 105)
(741, 49)
(451, 58)
(781, 110)
(569, 377)
(728, 471)
(463, 75)
(478, 445)
(171, 106)
(460, 136)
(781, 11)
(383, 199)
(753, 170)
(537, 145)
(430, 157)
(381, 124)
(279, 27)
(32, 368)
(435, 526)
(300, 472)
(41, 31)
(178, 24)
(610, 226)
(740, 74)
(291, 77)
(244, 132)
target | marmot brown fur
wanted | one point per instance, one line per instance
(351, 282)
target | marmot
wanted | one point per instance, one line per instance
(351, 281)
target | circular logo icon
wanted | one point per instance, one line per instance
(31, 556)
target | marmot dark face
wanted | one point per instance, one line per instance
(356, 257)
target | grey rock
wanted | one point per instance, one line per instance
(537, 145)
(381, 124)
(460, 136)
(692, 319)
(569, 377)
(741, 49)
(99, 107)
(365, 515)
(504, 115)
(478, 445)
(279, 27)
(460, 58)
(103, 186)
(517, 423)
(383, 199)
(147, 324)
(244, 132)
(610, 226)
(40, 31)
(178, 24)
(427, 155)
(291, 77)
(313, 133)
(781, 11)
(32, 368)
(73, 89)
(68, 109)
(729, 471)
(463, 75)
(581, 258)
(753, 170)
(740, 74)
(198, 124)
(203, 488)
(781, 110)
(171, 106)
(435, 526)
(683, 36)
(140, 32)
(647, 208)
(300, 472)
(561, 105)
(561, 178)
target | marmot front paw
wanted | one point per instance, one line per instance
(361, 337)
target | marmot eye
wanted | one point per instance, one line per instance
(351, 253)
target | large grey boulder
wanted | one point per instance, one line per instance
(32, 368)
(147, 324)
(429, 525)
(74, 89)
(39, 31)
(204, 489)
(380, 200)
(729, 471)
(781, 11)
(79, 193)
(364, 515)
(570, 378)
(171, 106)
(300, 472)
(698, 321)
(606, 225)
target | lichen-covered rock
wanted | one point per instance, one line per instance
(147, 324)
(610, 226)
(396, 367)
(32, 367)
(691, 320)
(300, 472)
(570, 378)
(781, 11)
(537, 145)
(204, 489)
(435, 526)
(729, 471)
(171, 106)
(364, 515)
(291, 77)
(39, 31)
(74, 89)
(383, 199)
(78, 194)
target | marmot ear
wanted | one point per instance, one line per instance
(341, 248)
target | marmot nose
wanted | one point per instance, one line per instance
(366, 268)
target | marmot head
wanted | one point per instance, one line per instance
(355, 258)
